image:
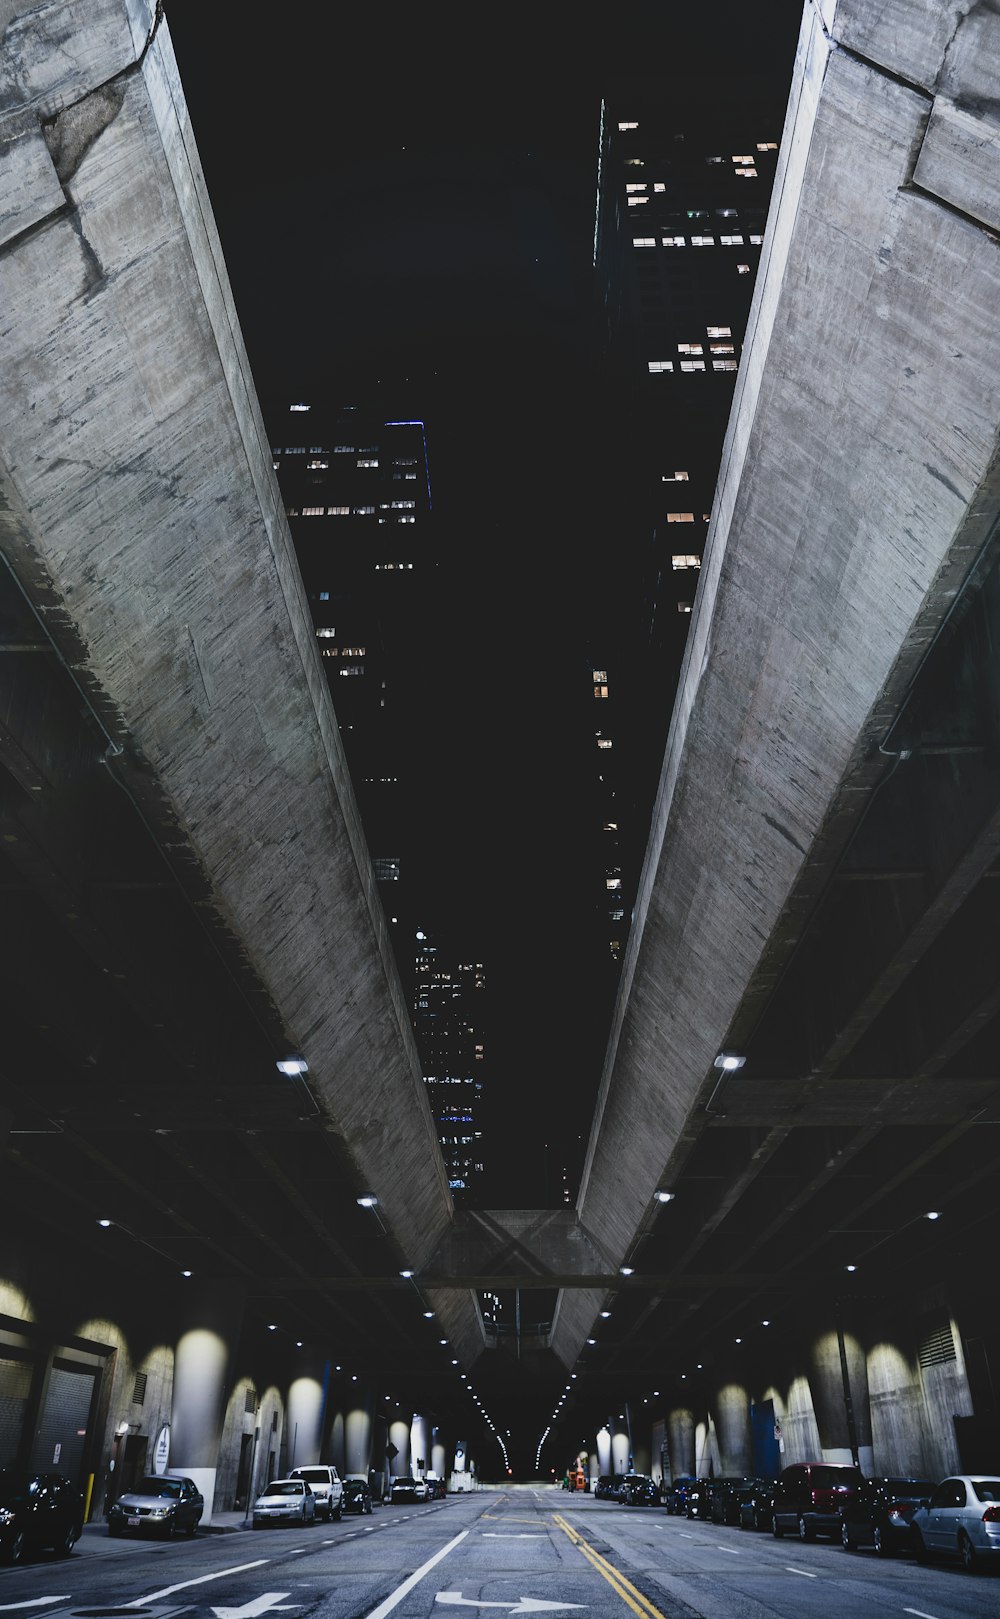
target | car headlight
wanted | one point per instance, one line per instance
(6, 1516)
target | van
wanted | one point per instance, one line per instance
(326, 1486)
(809, 1498)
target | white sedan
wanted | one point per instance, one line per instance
(961, 1519)
(285, 1500)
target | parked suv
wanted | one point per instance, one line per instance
(325, 1483)
(810, 1497)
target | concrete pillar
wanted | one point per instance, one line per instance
(213, 1312)
(399, 1435)
(680, 1431)
(640, 1454)
(306, 1407)
(620, 1449)
(604, 1451)
(420, 1444)
(838, 1382)
(336, 1449)
(732, 1427)
(439, 1455)
(358, 1424)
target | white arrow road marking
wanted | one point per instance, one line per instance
(168, 1590)
(259, 1605)
(35, 1602)
(408, 1584)
(455, 1599)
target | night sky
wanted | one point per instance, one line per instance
(407, 194)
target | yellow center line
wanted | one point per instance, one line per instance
(614, 1576)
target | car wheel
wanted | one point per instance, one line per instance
(776, 1528)
(15, 1551)
(71, 1535)
(845, 1537)
(190, 1528)
(338, 1512)
(967, 1552)
(806, 1530)
(879, 1541)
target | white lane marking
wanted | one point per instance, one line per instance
(729, 1550)
(525, 1605)
(35, 1602)
(684, 1534)
(803, 1571)
(920, 1613)
(370, 1528)
(414, 1579)
(257, 1606)
(296, 1551)
(168, 1590)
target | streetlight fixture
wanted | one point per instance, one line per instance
(294, 1063)
(727, 1062)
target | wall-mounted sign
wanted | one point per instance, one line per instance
(161, 1454)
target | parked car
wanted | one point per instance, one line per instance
(356, 1495)
(960, 1519)
(37, 1511)
(638, 1490)
(754, 1498)
(676, 1493)
(157, 1505)
(697, 1499)
(408, 1488)
(880, 1514)
(810, 1497)
(606, 1488)
(437, 1488)
(284, 1500)
(325, 1483)
(723, 1499)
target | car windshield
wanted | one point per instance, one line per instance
(315, 1475)
(901, 1487)
(402, 1481)
(156, 1486)
(830, 1478)
(286, 1486)
(987, 1489)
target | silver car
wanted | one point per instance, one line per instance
(285, 1500)
(961, 1519)
(157, 1506)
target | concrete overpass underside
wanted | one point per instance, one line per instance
(187, 891)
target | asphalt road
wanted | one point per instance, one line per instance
(492, 1554)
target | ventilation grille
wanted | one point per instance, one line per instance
(139, 1389)
(250, 1404)
(938, 1346)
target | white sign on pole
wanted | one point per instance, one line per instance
(161, 1455)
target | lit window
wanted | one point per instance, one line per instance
(406, 505)
(747, 159)
(767, 146)
(723, 365)
(612, 882)
(683, 559)
(343, 449)
(324, 634)
(755, 241)
(690, 348)
(684, 607)
(317, 466)
(746, 174)
(636, 185)
(680, 517)
(721, 348)
(635, 163)
(644, 241)
(338, 511)
(604, 742)
(367, 460)
(703, 241)
(719, 331)
(743, 269)
(600, 691)
(675, 477)
(313, 511)
(692, 365)
(324, 595)
(634, 202)
(298, 407)
(600, 674)
(406, 519)
(731, 241)
(632, 124)
(674, 241)
(660, 365)
(726, 213)
(658, 185)
(713, 160)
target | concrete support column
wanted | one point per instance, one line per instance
(838, 1382)
(306, 1407)
(620, 1449)
(680, 1438)
(641, 1454)
(358, 1426)
(399, 1435)
(336, 1452)
(213, 1311)
(439, 1454)
(420, 1444)
(732, 1428)
(604, 1451)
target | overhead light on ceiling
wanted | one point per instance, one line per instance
(187, 1272)
(665, 1197)
(407, 1274)
(105, 1223)
(605, 1315)
(591, 1340)
(367, 1202)
(728, 1060)
(626, 1270)
(428, 1315)
(933, 1214)
(292, 1064)
(850, 1267)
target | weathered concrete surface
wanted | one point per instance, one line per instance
(859, 482)
(139, 509)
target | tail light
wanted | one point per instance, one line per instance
(992, 1514)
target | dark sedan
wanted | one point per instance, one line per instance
(881, 1514)
(606, 1488)
(723, 1499)
(755, 1497)
(675, 1495)
(357, 1496)
(638, 1490)
(38, 1512)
